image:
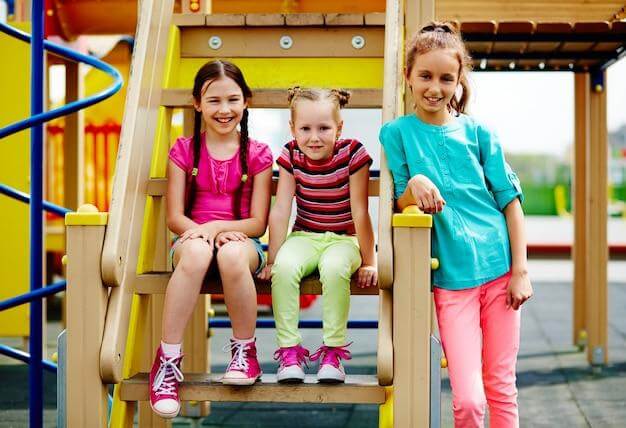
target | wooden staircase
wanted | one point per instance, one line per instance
(118, 268)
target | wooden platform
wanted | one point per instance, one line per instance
(207, 387)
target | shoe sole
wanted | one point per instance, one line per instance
(331, 381)
(291, 380)
(240, 382)
(165, 415)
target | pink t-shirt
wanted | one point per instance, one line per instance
(218, 180)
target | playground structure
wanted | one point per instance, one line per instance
(117, 268)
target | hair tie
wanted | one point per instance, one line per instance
(194, 172)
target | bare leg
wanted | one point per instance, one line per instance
(236, 261)
(192, 260)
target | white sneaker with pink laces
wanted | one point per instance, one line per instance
(331, 370)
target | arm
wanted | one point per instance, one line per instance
(279, 217)
(519, 289)
(359, 182)
(422, 192)
(177, 222)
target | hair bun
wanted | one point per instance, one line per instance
(343, 96)
(293, 92)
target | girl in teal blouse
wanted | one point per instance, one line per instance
(453, 167)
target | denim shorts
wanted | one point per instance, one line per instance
(257, 245)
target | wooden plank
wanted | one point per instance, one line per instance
(544, 28)
(333, 19)
(156, 283)
(264, 42)
(205, 386)
(586, 28)
(188, 19)
(265, 19)
(304, 19)
(273, 98)
(486, 28)
(525, 28)
(225, 20)
(375, 18)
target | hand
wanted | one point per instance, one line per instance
(519, 290)
(367, 276)
(206, 232)
(266, 272)
(426, 194)
(224, 237)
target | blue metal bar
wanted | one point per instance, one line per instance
(24, 197)
(35, 378)
(25, 358)
(269, 323)
(33, 295)
(74, 106)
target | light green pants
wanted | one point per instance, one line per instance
(336, 257)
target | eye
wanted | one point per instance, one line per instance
(305, 128)
(448, 78)
(324, 128)
(424, 76)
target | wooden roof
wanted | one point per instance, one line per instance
(544, 46)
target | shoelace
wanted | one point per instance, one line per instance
(292, 356)
(332, 354)
(168, 371)
(239, 360)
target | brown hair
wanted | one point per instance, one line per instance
(442, 35)
(339, 97)
(210, 72)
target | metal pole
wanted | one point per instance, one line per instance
(35, 372)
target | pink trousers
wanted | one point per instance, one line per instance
(480, 338)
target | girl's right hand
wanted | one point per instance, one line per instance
(206, 232)
(266, 272)
(426, 194)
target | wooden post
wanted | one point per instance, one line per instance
(579, 191)
(411, 320)
(86, 304)
(596, 205)
(73, 141)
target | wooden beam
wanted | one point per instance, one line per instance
(273, 98)
(265, 42)
(73, 140)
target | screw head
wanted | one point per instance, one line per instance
(286, 42)
(215, 42)
(358, 42)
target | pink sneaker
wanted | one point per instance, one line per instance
(331, 370)
(244, 367)
(290, 361)
(164, 379)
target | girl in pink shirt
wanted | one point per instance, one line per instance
(218, 198)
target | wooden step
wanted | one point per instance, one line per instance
(274, 98)
(207, 387)
(372, 19)
(156, 283)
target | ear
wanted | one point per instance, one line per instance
(339, 128)
(292, 128)
(196, 106)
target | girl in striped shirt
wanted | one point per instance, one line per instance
(332, 233)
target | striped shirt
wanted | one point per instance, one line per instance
(323, 188)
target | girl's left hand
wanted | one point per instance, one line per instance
(367, 276)
(519, 290)
(225, 237)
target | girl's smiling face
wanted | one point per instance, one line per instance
(222, 104)
(316, 128)
(433, 80)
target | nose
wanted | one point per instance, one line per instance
(224, 107)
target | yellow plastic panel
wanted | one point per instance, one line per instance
(276, 73)
(14, 251)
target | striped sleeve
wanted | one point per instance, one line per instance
(284, 159)
(358, 157)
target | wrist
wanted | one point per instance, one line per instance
(521, 270)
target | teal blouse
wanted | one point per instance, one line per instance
(466, 162)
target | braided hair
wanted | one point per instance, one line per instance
(210, 72)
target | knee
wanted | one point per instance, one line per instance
(285, 272)
(334, 269)
(232, 258)
(195, 257)
(469, 405)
